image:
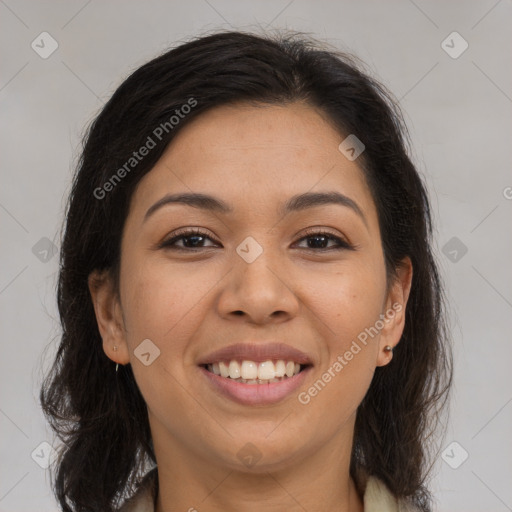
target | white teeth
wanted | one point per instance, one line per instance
(224, 370)
(266, 370)
(234, 370)
(250, 372)
(280, 368)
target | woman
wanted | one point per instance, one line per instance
(252, 315)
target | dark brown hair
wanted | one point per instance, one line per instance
(99, 414)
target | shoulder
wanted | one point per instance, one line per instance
(378, 498)
(144, 499)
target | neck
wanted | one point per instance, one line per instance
(319, 481)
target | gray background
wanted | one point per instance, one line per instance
(459, 114)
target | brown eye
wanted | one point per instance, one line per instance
(319, 240)
(192, 239)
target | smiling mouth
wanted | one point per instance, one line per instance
(251, 372)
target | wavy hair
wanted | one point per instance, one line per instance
(99, 414)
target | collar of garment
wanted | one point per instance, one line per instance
(376, 497)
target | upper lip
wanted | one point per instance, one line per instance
(256, 352)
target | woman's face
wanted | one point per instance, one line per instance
(310, 277)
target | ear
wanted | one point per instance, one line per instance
(393, 316)
(109, 316)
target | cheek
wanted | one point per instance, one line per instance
(347, 302)
(163, 305)
(351, 309)
(346, 307)
(160, 301)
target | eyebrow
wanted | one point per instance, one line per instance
(295, 203)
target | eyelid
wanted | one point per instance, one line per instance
(342, 242)
(184, 233)
(318, 230)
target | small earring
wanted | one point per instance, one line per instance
(115, 348)
(388, 348)
(117, 366)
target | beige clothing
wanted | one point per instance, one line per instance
(377, 498)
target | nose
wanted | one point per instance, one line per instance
(258, 292)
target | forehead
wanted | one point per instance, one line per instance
(254, 158)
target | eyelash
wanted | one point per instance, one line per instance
(169, 244)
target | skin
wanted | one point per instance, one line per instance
(191, 303)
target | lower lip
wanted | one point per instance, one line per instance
(255, 394)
